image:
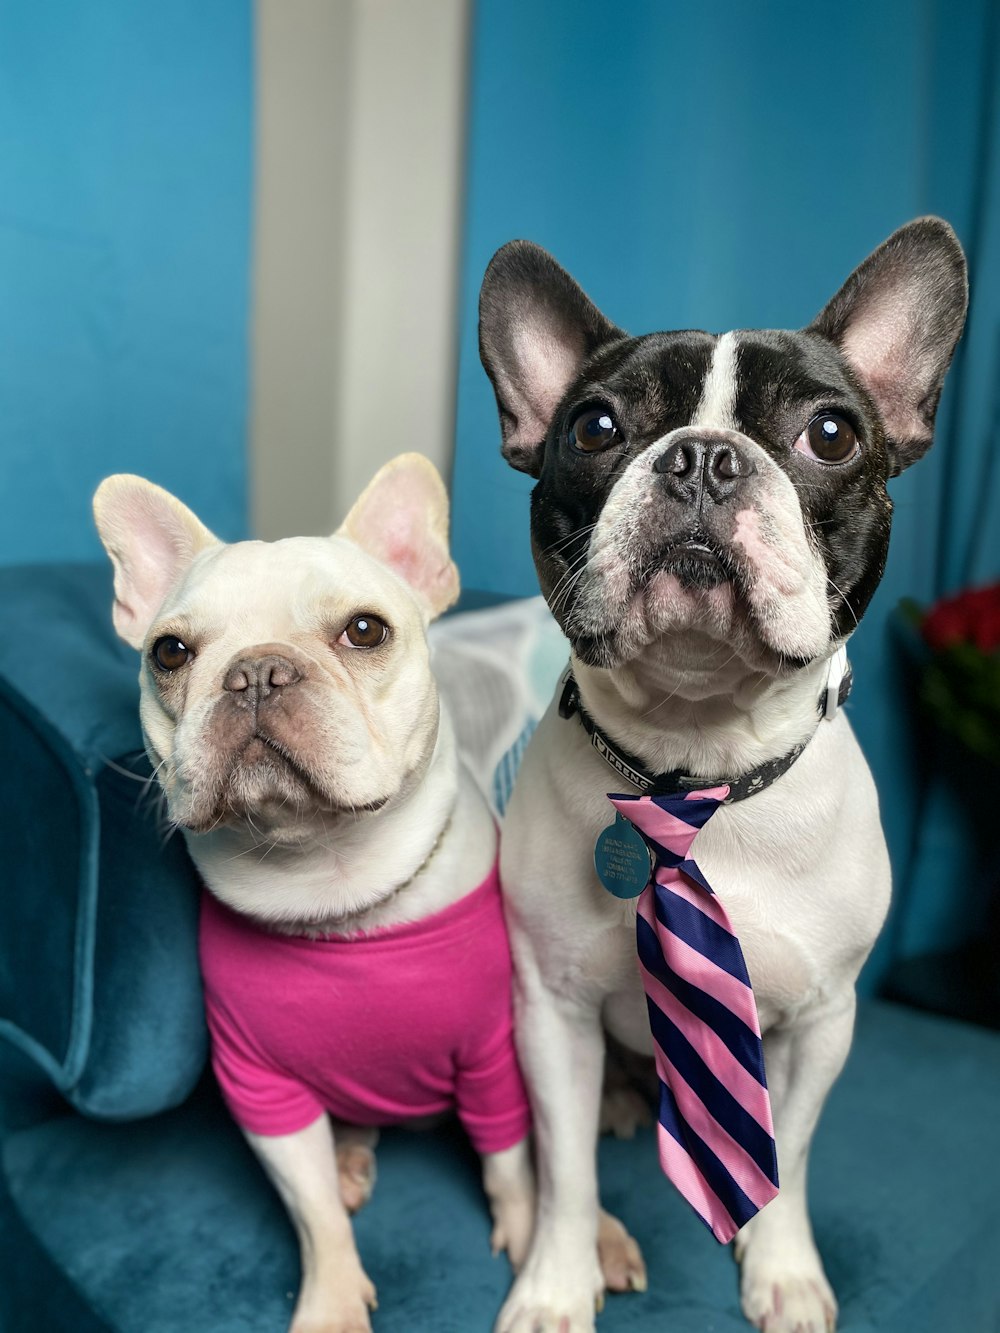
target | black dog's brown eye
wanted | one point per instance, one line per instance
(593, 430)
(365, 632)
(170, 653)
(828, 439)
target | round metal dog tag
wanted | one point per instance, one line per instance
(623, 862)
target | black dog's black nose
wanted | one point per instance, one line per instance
(691, 468)
(256, 677)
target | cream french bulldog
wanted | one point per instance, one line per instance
(290, 712)
(709, 523)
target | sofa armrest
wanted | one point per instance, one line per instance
(99, 981)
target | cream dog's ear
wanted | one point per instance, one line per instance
(401, 519)
(151, 539)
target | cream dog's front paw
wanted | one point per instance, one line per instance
(355, 1148)
(513, 1223)
(509, 1182)
(619, 1256)
(552, 1297)
(356, 1174)
(341, 1304)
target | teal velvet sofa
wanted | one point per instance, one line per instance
(128, 1201)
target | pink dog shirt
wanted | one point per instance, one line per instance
(377, 1029)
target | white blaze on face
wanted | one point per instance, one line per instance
(717, 405)
(784, 583)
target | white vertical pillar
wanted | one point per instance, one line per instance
(360, 144)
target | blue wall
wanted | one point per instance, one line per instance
(717, 166)
(125, 195)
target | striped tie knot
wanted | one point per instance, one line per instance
(715, 1132)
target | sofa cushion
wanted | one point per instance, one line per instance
(170, 1224)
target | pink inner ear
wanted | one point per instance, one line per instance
(879, 339)
(546, 367)
(406, 562)
(880, 347)
(142, 577)
(402, 521)
(151, 538)
(422, 570)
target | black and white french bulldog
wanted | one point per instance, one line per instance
(710, 522)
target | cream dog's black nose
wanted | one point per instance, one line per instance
(253, 678)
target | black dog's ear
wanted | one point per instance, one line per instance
(536, 328)
(897, 319)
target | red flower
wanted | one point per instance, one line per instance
(967, 617)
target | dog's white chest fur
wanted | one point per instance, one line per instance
(801, 869)
(710, 521)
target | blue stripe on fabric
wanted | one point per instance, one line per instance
(675, 861)
(693, 872)
(742, 1042)
(665, 854)
(726, 1190)
(700, 932)
(720, 1103)
(696, 813)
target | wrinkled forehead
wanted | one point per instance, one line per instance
(275, 589)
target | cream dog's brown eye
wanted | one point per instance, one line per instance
(170, 653)
(365, 631)
(593, 430)
(828, 439)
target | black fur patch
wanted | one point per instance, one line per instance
(876, 355)
(783, 381)
(653, 385)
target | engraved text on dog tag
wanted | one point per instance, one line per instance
(623, 862)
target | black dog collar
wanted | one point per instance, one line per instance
(665, 784)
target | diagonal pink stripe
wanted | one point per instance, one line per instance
(666, 828)
(739, 1082)
(713, 793)
(679, 1167)
(734, 1157)
(708, 903)
(702, 971)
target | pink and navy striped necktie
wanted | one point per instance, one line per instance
(715, 1134)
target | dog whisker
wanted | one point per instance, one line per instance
(564, 589)
(844, 598)
(565, 541)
